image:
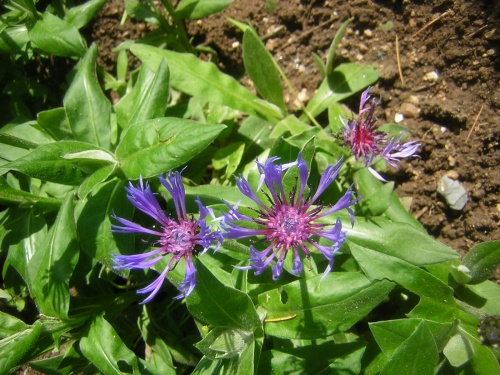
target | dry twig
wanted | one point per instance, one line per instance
(399, 62)
(430, 23)
(475, 122)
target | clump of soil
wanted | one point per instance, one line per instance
(447, 91)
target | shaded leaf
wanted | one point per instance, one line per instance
(195, 9)
(482, 261)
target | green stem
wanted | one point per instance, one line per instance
(16, 142)
(179, 25)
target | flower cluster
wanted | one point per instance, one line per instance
(366, 142)
(291, 222)
(180, 237)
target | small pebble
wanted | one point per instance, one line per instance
(409, 110)
(368, 33)
(431, 77)
(398, 117)
(452, 174)
(235, 45)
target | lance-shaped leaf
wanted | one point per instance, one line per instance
(202, 79)
(53, 264)
(195, 9)
(482, 261)
(14, 347)
(11, 196)
(82, 14)
(87, 108)
(213, 303)
(148, 99)
(397, 240)
(55, 36)
(25, 238)
(104, 348)
(313, 308)
(380, 266)
(261, 68)
(345, 80)
(63, 162)
(417, 354)
(155, 146)
(94, 221)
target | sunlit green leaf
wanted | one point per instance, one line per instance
(203, 79)
(314, 308)
(482, 261)
(56, 36)
(155, 146)
(104, 348)
(147, 100)
(195, 9)
(261, 68)
(87, 108)
(81, 15)
(52, 265)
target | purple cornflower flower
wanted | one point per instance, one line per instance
(366, 142)
(182, 237)
(291, 221)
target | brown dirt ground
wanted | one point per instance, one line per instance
(461, 47)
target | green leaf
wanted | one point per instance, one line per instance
(87, 108)
(459, 350)
(9, 195)
(397, 240)
(261, 68)
(369, 187)
(345, 80)
(95, 178)
(482, 360)
(482, 261)
(148, 99)
(14, 347)
(13, 39)
(10, 325)
(81, 15)
(94, 221)
(417, 354)
(333, 48)
(55, 36)
(28, 229)
(55, 123)
(52, 265)
(155, 146)
(391, 334)
(222, 342)
(291, 124)
(201, 79)
(195, 9)
(380, 266)
(484, 296)
(228, 157)
(442, 312)
(313, 308)
(52, 162)
(104, 348)
(213, 303)
(324, 358)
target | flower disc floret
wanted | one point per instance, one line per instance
(290, 223)
(367, 142)
(180, 237)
